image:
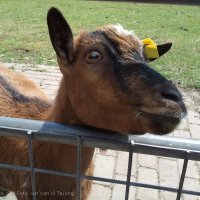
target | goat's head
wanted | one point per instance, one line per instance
(109, 82)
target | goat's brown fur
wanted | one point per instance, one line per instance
(115, 90)
(36, 103)
(37, 107)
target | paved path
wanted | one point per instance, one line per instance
(147, 169)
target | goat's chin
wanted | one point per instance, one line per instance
(158, 124)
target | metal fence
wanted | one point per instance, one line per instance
(186, 149)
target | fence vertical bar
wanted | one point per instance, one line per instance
(185, 163)
(130, 159)
(78, 177)
(31, 161)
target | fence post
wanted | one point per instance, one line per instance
(78, 172)
(130, 159)
(31, 161)
(185, 163)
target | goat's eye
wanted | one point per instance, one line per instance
(93, 57)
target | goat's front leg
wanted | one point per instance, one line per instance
(24, 193)
(3, 192)
(23, 189)
(86, 185)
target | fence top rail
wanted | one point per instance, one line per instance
(60, 133)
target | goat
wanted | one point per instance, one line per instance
(107, 83)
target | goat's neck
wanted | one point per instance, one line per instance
(62, 111)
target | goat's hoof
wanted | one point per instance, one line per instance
(3, 193)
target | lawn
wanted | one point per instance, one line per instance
(24, 36)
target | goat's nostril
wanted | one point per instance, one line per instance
(171, 94)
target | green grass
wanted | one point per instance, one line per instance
(24, 36)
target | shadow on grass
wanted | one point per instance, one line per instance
(176, 2)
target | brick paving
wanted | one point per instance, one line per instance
(146, 169)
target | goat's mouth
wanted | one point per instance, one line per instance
(160, 120)
(164, 112)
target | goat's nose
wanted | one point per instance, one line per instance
(171, 94)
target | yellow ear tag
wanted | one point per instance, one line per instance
(150, 48)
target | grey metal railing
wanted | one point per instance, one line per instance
(186, 149)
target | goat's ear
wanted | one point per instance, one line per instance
(60, 34)
(162, 49)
